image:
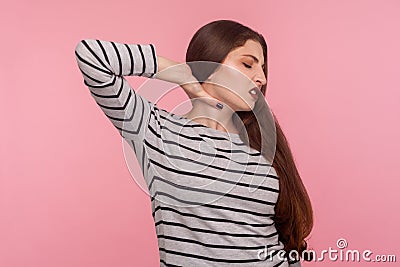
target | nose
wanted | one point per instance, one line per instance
(260, 78)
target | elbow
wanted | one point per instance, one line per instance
(80, 48)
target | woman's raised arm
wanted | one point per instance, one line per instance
(103, 65)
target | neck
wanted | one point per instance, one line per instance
(212, 117)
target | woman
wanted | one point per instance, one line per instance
(216, 198)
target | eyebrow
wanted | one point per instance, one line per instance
(255, 59)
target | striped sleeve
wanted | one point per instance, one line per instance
(103, 65)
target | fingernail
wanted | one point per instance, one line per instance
(219, 105)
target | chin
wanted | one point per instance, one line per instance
(248, 107)
(245, 108)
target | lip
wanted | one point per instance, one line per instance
(257, 92)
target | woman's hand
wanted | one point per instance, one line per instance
(181, 74)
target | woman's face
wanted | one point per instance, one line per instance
(241, 70)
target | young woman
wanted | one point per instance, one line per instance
(223, 183)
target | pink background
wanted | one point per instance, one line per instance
(66, 194)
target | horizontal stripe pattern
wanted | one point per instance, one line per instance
(212, 196)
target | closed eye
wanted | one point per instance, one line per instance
(247, 66)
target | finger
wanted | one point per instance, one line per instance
(208, 99)
(196, 91)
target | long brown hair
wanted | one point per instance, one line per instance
(293, 211)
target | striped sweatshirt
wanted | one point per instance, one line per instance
(212, 196)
